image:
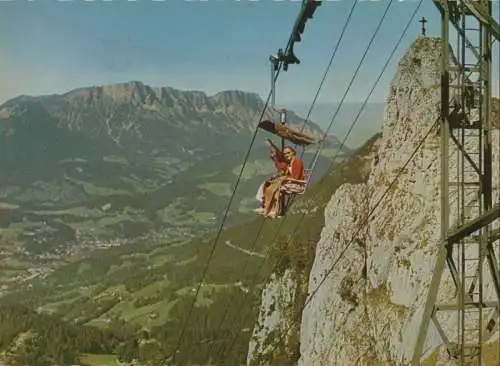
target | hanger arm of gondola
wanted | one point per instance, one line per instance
(307, 11)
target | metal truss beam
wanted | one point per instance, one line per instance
(467, 248)
(472, 226)
(480, 10)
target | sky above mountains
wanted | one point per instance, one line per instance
(55, 46)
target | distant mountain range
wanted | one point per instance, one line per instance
(132, 119)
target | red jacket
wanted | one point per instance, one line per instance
(293, 170)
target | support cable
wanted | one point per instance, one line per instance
(332, 57)
(363, 225)
(349, 131)
(219, 232)
(303, 126)
(400, 171)
(355, 120)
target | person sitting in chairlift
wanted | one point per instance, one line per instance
(288, 166)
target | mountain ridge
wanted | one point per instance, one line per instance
(133, 120)
(140, 94)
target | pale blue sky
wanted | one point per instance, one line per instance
(51, 46)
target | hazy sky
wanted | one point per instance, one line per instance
(51, 46)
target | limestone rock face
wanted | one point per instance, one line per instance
(274, 325)
(374, 262)
(368, 309)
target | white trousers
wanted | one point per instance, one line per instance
(260, 193)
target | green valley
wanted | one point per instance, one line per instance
(149, 288)
(109, 240)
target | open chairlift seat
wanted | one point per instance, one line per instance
(296, 187)
(290, 187)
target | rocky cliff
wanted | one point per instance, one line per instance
(365, 302)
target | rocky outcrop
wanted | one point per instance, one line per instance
(374, 262)
(276, 337)
(388, 265)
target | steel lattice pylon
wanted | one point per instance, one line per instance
(468, 210)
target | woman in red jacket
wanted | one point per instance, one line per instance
(289, 166)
